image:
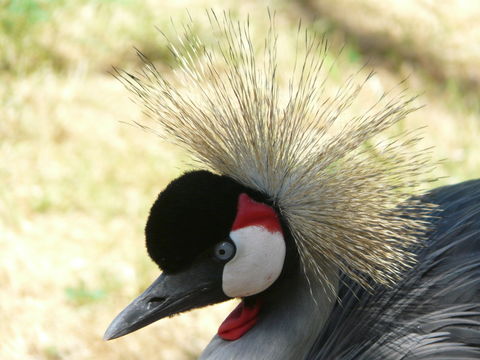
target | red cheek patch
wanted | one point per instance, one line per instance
(252, 213)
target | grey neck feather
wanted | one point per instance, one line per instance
(290, 321)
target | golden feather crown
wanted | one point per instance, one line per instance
(346, 204)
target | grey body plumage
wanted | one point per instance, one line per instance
(434, 312)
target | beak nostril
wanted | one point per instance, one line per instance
(155, 301)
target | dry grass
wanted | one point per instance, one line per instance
(76, 184)
(440, 37)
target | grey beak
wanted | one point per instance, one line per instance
(168, 295)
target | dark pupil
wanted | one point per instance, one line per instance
(224, 250)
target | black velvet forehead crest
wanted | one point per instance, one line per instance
(192, 214)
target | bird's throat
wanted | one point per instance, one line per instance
(240, 320)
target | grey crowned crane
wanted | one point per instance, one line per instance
(324, 240)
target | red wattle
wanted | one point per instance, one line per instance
(240, 320)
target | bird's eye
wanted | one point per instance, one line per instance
(224, 251)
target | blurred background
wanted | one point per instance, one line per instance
(76, 182)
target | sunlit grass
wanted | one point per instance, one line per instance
(76, 182)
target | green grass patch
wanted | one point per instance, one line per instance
(81, 294)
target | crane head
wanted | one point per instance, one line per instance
(214, 240)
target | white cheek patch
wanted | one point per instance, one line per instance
(257, 263)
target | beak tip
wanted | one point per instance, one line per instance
(109, 335)
(113, 331)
